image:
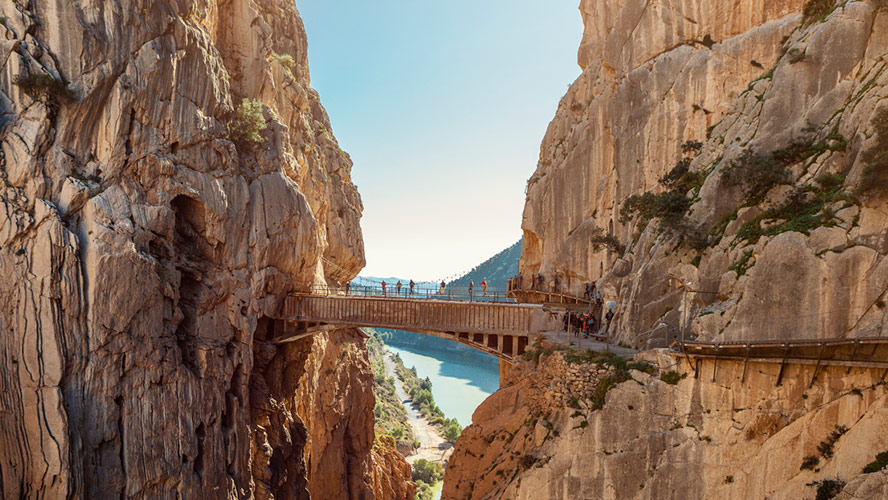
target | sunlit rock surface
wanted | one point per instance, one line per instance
(737, 76)
(142, 253)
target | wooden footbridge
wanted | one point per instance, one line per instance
(502, 329)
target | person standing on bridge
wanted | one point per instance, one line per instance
(412, 284)
(609, 317)
(347, 287)
(442, 287)
(484, 286)
(471, 287)
(398, 287)
(383, 288)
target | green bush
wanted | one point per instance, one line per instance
(828, 488)
(672, 377)
(756, 174)
(426, 471)
(804, 209)
(38, 85)
(878, 464)
(874, 178)
(672, 205)
(248, 124)
(600, 240)
(669, 206)
(810, 462)
(452, 430)
(424, 491)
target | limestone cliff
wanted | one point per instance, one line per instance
(146, 241)
(788, 87)
(550, 433)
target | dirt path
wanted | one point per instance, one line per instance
(432, 445)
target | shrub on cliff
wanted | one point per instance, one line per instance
(878, 464)
(44, 85)
(248, 124)
(600, 240)
(756, 173)
(874, 178)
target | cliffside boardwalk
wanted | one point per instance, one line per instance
(497, 325)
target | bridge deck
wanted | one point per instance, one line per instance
(501, 329)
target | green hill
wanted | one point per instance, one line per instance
(496, 270)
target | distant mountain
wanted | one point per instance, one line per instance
(496, 270)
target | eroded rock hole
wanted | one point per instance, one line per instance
(201, 434)
(194, 255)
(186, 332)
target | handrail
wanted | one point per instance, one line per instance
(476, 294)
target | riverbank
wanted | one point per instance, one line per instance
(432, 445)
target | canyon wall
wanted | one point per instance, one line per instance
(151, 222)
(749, 80)
(550, 434)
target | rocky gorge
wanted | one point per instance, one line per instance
(718, 172)
(167, 177)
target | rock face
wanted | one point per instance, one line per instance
(743, 78)
(695, 439)
(144, 253)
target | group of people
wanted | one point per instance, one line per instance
(411, 288)
(398, 287)
(586, 323)
(536, 282)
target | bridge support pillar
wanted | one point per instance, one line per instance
(504, 368)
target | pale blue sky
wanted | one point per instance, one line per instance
(442, 106)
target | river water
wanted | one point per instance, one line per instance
(461, 378)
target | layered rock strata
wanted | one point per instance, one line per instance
(743, 78)
(689, 438)
(144, 253)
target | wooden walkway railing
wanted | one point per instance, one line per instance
(407, 314)
(869, 352)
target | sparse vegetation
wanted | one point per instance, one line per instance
(805, 208)
(729, 479)
(742, 265)
(390, 417)
(670, 206)
(874, 178)
(878, 464)
(40, 85)
(601, 240)
(817, 11)
(826, 447)
(828, 488)
(672, 377)
(286, 60)
(249, 123)
(810, 462)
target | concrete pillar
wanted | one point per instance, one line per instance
(504, 368)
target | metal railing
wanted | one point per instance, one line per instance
(476, 294)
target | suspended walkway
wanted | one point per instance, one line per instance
(493, 324)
